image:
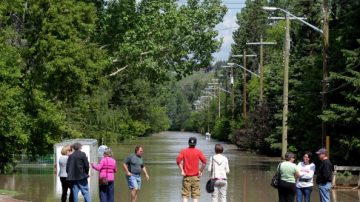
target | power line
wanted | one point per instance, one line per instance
(228, 28)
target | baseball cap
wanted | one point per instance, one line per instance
(192, 141)
(321, 151)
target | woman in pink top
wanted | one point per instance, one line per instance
(107, 169)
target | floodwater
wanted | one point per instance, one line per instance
(248, 181)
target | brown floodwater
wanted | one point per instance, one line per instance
(249, 176)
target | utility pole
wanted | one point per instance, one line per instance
(232, 93)
(261, 44)
(219, 100)
(286, 89)
(261, 70)
(216, 84)
(244, 56)
(324, 130)
(244, 86)
(208, 116)
(289, 17)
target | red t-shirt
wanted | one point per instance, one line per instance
(191, 157)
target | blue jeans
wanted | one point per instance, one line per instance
(303, 194)
(134, 181)
(324, 190)
(81, 185)
(107, 192)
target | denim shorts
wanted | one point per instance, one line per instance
(134, 181)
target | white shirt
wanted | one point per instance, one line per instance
(306, 172)
(62, 166)
(221, 166)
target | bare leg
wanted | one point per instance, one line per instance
(185, 199)
(195, 200)
(133, 195)
(136, 194)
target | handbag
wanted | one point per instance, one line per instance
(210, 185)
(276, 178)
(103, 181)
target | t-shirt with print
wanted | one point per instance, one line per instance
(134, 163)
(287, 171)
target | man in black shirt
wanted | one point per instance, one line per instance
(77, 168)
(324, 176)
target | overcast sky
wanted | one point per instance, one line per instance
(226, 29)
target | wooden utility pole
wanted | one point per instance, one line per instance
(261, 44)
(284, 144)
(244, 86)
(261, 70)
(244, 98)
(208, 115)
(286, 66)
(325, 139)
(232, 93)
(219, 100)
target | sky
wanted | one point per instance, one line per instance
(226, 28)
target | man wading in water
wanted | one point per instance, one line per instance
(188, 162)
(133, 165)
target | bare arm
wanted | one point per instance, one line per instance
(128, 173)
(146, 174)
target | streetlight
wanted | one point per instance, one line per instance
(270, 8)
(261, 65)
(244, 56)
(234, 64)
(286, 72)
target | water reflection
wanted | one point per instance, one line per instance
(248, 181)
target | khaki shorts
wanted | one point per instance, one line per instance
(191, 186)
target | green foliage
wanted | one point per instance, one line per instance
(73, 69)
(222, 129)
(261, 130)
(13, 131)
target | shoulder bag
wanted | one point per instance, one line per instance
(210, 185)
(103, 181)
(276, 178)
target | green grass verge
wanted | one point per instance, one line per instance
(9, 193)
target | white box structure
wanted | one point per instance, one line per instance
(90, 147)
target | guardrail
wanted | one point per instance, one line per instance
(346, 168)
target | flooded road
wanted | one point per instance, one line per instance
(249, 176)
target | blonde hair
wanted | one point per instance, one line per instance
(65, 149)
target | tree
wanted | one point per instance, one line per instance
(13, 131)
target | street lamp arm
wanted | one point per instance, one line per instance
(246, 70)
(301, 20)
(224, 90)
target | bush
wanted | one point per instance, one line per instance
(222, 129)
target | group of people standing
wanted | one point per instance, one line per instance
(297, 180)
(188, 162)
(74, 172)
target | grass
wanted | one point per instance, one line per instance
(9, 193)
